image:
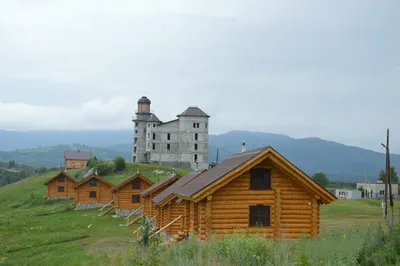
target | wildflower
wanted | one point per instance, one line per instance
(323, 239)
(344, 236)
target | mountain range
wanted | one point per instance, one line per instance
(340, 162)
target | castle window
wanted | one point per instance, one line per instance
(148, 135)
(195, 147)
(134, 149)
(154, 125)
(154, 146)
(259, 215)
(196, 136)
(136, 184)
(92, 194)
(92, 182)
(135, 140)
(198, 125)
(134, 158)
(148, 125)
(136, 131)
(195, 158)
(168, 146)
(154, 135)
(260, 178)
(60, 189)
(206, 125)
(168, 136)
(136, 124)
(194, 125)
(60, 178)
(148, 145)
(135, 198)
(382, 192)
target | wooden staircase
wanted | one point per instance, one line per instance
(103, 210)
(136, 217)
(176, 238)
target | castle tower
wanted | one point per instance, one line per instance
(139, 138)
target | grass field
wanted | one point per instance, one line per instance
(37, 232)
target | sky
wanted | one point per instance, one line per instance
(328, 69)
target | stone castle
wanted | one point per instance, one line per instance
(179, 143)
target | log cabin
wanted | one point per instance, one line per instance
(127, 193)
(76, 159)
(257, 191)
(93, 192)
(60, 186)
(148, 194)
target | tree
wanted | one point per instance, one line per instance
(105, 168)
(120, 163)
(92, 162)
(321, 179)
(393, 175)
(12, 164)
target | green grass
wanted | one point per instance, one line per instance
(38, 232)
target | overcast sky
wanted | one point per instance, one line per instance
(328, 69)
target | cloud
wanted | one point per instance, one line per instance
(316, 68)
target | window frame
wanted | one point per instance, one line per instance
(196, 158)
(196, 146)
(60, 189)
(90, 182)
(136, 181)
(168, 136)
(154, 136)
(91, 193)
(61, 178)
(134, 159)
(168, 147)
(137, 197)
(254, 217)
(154, 146)
(196, 136)
(265, 184)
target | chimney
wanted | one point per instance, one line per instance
(243, 146)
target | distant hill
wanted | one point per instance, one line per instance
(338, 161)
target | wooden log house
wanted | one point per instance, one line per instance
(148, 194)
(127, 193)
(93, 189)
(76, 159)
(257, 191)
(60, 186)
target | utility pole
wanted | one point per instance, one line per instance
(217, 157)
(388, 175)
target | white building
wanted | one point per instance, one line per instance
(179, 143)
(348, 194)
(377, 190)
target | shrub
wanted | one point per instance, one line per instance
(120, 163)
(105, 168)
(92, 162)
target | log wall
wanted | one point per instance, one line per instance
(75, 164)
(52, 188)
(103, 193)
(125, 193)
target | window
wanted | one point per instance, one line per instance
(154, 125)
(206, 125)
(198, 125)
(136, 131)
(168, 147)
(60, 189)
(134, 159)
(195, 147)
(148, 125)
(135, 140)
(148, 135)
(134, 149)
(135, 198)
(136, 184)
(148, 145)
(195, 158)
(382, 192)
(260, 178)
(92, 182)
(259, 215)
(154, 135)
(92, 194)
(196, 136)
(194, 125)
(168, 136)
(136, 124)
(60, 178)
(154, 146)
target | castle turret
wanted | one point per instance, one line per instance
(143, 114)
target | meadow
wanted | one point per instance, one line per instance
(38, 232)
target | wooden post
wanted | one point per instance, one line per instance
(98, 191)
(150, 207)
(208, 215)
(314, 218)
(199, 225)
(277, 212)
(191, 228)
(66, 187)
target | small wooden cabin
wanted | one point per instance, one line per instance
(93, 189)
(60, 186)
(257, 191)
(76, 159)
(148, 194)
(127, 193)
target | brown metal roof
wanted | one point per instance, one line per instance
(97, 177)
(160, 184)
(212, 175)
(64, 174)
(77, 155)
(127, 180)
(174, 188)
(193, 111)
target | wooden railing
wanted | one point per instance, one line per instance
(165, 227)
(137, 231)
(130, 215)
(102, 208)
